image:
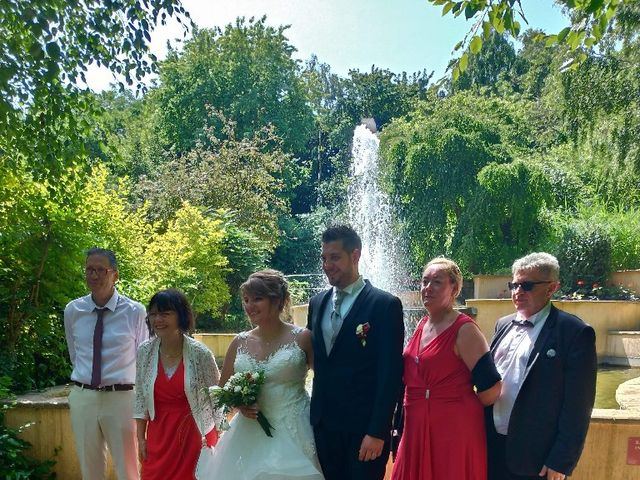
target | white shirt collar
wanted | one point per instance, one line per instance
(111, 304)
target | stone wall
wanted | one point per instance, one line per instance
(604, 456)
(602, 315)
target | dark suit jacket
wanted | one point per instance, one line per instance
(356, 387)
(551, 414)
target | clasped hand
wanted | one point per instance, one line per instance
(249, 411)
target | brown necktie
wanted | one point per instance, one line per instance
(96, 370)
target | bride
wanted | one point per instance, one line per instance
(283, 351)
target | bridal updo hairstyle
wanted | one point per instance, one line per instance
(272, 284)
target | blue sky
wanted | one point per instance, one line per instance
(401, 35)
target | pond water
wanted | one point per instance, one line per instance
(609, 378)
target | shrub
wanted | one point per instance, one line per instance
(584, 254)
(14, 465)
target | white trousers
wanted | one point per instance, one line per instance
(101, 419)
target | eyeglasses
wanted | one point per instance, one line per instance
(100, 271)
(526, 286)
(160, 315)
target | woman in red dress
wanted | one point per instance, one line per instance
(174, 415)
(444, 436)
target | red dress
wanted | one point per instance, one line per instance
(173, 439)
(444, 436)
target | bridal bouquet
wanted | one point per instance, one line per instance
(241, 390)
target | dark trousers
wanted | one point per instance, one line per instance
(338, 455)
(497, 456)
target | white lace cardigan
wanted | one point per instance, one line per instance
(200, 371)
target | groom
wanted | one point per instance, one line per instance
(358, 334)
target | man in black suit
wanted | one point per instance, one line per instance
(358, 333)
(547, 360)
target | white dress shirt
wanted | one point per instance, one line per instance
(511, 358)
(124, 331)
(352, 291)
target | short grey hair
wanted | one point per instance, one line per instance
(542, 262)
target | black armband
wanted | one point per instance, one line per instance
(485, 374)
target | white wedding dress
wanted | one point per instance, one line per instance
(244, 452)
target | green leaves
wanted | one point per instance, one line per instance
(246, 72)
(450, 138)
(48, 48)
(476, 45)
(590, 20)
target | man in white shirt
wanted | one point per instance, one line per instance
(104, 330)
(547, 359)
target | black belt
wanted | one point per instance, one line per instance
(106, 388)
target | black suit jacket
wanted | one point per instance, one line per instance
(551, 414)
(355, 388)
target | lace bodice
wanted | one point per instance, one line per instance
(283, 398)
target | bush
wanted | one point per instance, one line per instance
(584, 254)
(229, 323)
(14, 465)
(40, 359)
(597, 292)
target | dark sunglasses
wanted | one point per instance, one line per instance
(526, 286)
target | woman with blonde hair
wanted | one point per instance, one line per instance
(444, 435)
(283, 352)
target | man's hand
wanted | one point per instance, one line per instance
(370, 448)
(551, 474)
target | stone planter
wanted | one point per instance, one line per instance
(491, 286)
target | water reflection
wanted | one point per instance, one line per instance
(609, 378)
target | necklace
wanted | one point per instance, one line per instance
(170, 355)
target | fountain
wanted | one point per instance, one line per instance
(371, 216)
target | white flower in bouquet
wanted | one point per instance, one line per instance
(241, 390)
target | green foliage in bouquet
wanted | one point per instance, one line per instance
(241, 390)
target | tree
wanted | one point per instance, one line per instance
(46, 49)
(247, 73)
(504, 220)
(243, 175)
(590, 21)
(534, 64)
(431, 159)
(188, 255)
(122, 136)
(489, 66)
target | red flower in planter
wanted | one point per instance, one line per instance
(581, 283)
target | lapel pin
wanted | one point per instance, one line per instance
(551, 353)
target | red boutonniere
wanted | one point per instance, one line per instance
(362, 330)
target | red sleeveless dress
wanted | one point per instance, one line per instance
(173, 439)
(444, 436)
